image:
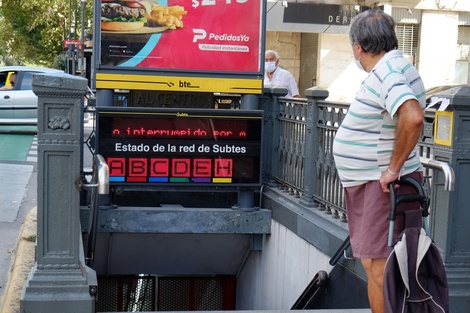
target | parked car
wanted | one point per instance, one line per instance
(18, 106)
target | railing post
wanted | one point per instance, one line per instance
(59, 280)
(270, 105)
(246, 194)
(311, 177)
(449, 214)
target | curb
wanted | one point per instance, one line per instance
(23, 262)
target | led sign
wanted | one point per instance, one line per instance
(166, 146)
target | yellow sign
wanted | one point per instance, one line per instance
(180, 83)
(443, 125)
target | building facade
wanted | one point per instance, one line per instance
(313, 44)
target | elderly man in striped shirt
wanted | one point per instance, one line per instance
(376, 142)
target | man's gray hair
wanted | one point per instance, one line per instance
(374, 31)
(273, 52)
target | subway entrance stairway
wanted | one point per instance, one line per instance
(273, 244)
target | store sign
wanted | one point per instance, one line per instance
(186, 35)
(313, 13)
(151, 98)
(167, 146)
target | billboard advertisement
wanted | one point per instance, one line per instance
(207, 36)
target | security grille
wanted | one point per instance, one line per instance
(139, 293)
(463, 55)
(463, 43)
(126, 294)
(407, 35)
(196, 294)
(173, 294)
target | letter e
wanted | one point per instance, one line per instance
(202, 167)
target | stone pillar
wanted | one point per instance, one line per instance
(449, 213)
(59, 280)
(311, 178)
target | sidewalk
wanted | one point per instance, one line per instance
(23, 262)
(18, 200)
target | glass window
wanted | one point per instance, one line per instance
(3, 78)
(27, 81)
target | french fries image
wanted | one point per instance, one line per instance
(170, 17)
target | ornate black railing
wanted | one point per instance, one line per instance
(306, 169)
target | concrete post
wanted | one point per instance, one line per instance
(311, 176)
(449, 213)
(59, 280)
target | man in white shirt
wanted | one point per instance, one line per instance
(276, 76)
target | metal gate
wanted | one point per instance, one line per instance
(126, 293)
(196, 294)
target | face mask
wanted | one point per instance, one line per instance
(270, 66)
(358, 64)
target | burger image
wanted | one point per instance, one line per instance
(123, 15)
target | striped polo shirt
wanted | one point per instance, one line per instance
(364, 142)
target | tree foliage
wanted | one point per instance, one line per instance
(33, 31)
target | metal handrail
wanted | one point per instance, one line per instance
(101, 185)
(449, 175)
(100, 176)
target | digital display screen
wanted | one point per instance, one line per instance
(168, 146)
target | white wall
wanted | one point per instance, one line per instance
(438, 46)
(275, 277)
(337, 72)
(460, 5)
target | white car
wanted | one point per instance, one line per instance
(18, 106)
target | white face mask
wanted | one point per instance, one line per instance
(269, 66)
(358, 64)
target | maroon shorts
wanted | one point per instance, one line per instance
(368, 208)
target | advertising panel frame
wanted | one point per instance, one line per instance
(202, 69)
